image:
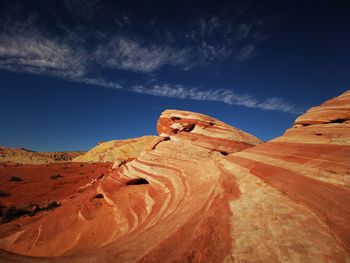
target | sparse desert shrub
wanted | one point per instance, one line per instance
(50, 206)
(12, 213)
(16, 179)
(4, 193)
(2, 208)
(55, 176)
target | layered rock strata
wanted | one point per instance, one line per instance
(118, 150)
(208, 192)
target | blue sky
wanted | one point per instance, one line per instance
(76, 72)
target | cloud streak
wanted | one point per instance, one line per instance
(126, 54)
(39, 55)
(203, 41)
(245, 53)
(24, 48)
(220, 95)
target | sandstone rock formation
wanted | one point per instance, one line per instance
(118, 150)
(298, 187)
(204, 131)
(206, 192)
(21, 155)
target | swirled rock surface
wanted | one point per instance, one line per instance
(298, 187)
(204, 131)
(206, 192)
(117, 150)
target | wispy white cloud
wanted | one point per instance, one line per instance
(243, 30)
(35, 54)
(224, 38)
(245, 52)
(280, 105)
(97, 82)
(206, 40)
(24, 48)
(122, 21)
(208, 26)
(124, 53)
(221, 95)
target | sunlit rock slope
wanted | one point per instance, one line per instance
(117, 150)
(205, 192)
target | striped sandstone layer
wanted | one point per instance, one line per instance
(204, 131)
(117, 150)
(206, 192)
(143, 209)
(298, 188)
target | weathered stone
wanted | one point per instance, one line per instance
(206, 192)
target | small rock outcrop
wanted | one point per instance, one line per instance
(117, 150)
(204, 131)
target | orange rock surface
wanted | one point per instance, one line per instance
(118, 150)
(301, 181)
(206, 192)
(204, 131)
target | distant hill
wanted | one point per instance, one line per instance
(22, 155)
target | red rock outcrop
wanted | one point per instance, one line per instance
(207, 192)
(303, 180)
(204, 131)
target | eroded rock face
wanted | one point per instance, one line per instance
(336, 110)
(298, 184)
(182, 200)
(118, 150)
(204, 131)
